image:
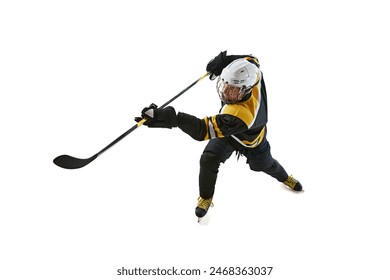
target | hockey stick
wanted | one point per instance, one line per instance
(69, 162)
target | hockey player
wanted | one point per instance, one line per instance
(240, 125)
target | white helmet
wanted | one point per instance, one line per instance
(237, 80)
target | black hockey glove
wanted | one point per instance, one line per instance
(158, 117)
(216, 65)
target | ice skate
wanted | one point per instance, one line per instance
(293, 184)
(202, 207)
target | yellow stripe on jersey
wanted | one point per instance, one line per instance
(247, 110)
(253, 143)
(212, 128)
(218, 132)
(249, 58)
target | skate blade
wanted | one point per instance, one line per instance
(204, 220)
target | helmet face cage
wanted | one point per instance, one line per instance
(229, 93)
(237, 80)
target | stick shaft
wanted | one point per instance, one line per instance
(143, 120)
(183, 91)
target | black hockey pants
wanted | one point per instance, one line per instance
(220, 149)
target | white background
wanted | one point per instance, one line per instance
(74, 74)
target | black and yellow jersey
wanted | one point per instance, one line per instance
(244, 121)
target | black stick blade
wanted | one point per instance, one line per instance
(69, 162)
